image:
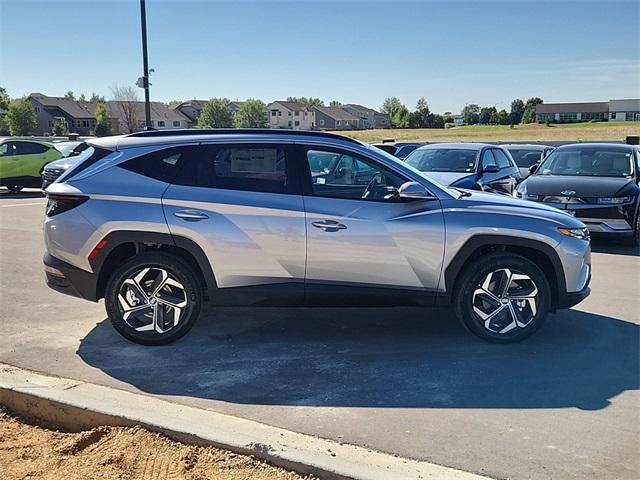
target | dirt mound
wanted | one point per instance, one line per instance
(31, 451)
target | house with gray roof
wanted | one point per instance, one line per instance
(336, 118)
(193, 108)
(294, 115)
(128, 117)
(369, 117)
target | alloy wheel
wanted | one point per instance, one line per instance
(152, 300)
(505, 300)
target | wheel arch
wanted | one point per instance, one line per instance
(123, 245)
(539, 252)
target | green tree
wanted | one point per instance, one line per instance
(60, 128)
(21, 117)
(4, 99)
(401, 117)
(95, 98)
(448, 119)
(69, 95)
(335, 103)
(421, 117)
(499, 118)
(4, 105)
(390, 105)
(470, 113)
(529, 115)
(437, 121)
(82, 98)
(103, 123)
(251, 114)
(517, 110)
(484, 118)
(216, 114)
(309, 102)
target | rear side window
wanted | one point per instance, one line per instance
(501, 158)
(84, 160)
(254, 168)
(162, 165)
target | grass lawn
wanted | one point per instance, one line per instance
(532, 132)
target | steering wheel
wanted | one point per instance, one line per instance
(370, 189)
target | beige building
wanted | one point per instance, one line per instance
(296, 116)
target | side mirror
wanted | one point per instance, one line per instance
(491, 169)
(414, 191)
(533, 168)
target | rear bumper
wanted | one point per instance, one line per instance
(70, 280)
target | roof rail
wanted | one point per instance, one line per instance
(230, 131)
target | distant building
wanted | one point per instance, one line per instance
(80, 117)
(613, 110)
(458, 120)
(193, 108)
(624, 110)
(369, 117)
(294, 115)
(336, 118)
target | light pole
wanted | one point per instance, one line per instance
(145, 68)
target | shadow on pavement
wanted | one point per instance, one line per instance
(31, 193)
(616, 246)
(402, 357)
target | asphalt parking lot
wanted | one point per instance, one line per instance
(564, 404)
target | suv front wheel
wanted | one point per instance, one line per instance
(502, 297)
(153, 299)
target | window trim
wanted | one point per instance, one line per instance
(305, 171)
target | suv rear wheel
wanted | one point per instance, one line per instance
(153, 299)
(502, 297)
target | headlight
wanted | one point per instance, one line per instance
(581, 233)
(614, 200)
(527, 196)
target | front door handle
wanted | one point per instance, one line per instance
(191, 215)
(329, 225)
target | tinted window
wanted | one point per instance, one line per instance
(488, 159)
(162, 165)
(588, 161)
(501, 158)
(406, 150)
(255, 168)
(29, 148)
(8, 149)
(443, 160)
(341, 175)
(526, 158)
(389, 148)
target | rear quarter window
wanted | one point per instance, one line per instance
(163, 165)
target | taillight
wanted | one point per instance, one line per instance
(57, 203)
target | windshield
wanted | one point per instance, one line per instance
(526, 158)
(443, 160)
(588, 161)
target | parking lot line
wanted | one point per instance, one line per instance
(23, 204)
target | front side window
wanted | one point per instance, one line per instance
(342, 175)
(501, 158)
(488, 159)
(443, 160)
(589, 161)
(255, 168)
(8, 149)
(526, 158)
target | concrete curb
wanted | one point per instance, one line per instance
(76, 405)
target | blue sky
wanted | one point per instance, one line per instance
(452, 52)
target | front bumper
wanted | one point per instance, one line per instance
(69, 279)
(570, 299)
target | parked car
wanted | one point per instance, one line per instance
(156, 222)
(22, 162)
(398, 149)
(597, 182)
(526, 156)
(70, 152)
(476, 166)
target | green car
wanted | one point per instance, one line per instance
(22, 162)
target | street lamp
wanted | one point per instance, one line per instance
(143, 82)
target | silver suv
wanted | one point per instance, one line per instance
(157, 223)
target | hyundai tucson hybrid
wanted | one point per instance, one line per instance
(597, 182)
(157, 223)
(527, 156)
(476, 166)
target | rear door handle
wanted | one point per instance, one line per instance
(191, 215)
(329, 225)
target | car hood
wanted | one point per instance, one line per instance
(503, 204)
(583, 186)
(447, 178)
(63, 163)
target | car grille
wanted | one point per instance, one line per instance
(50, 175)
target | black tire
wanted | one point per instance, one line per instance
(178, 271)
(472, 278)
